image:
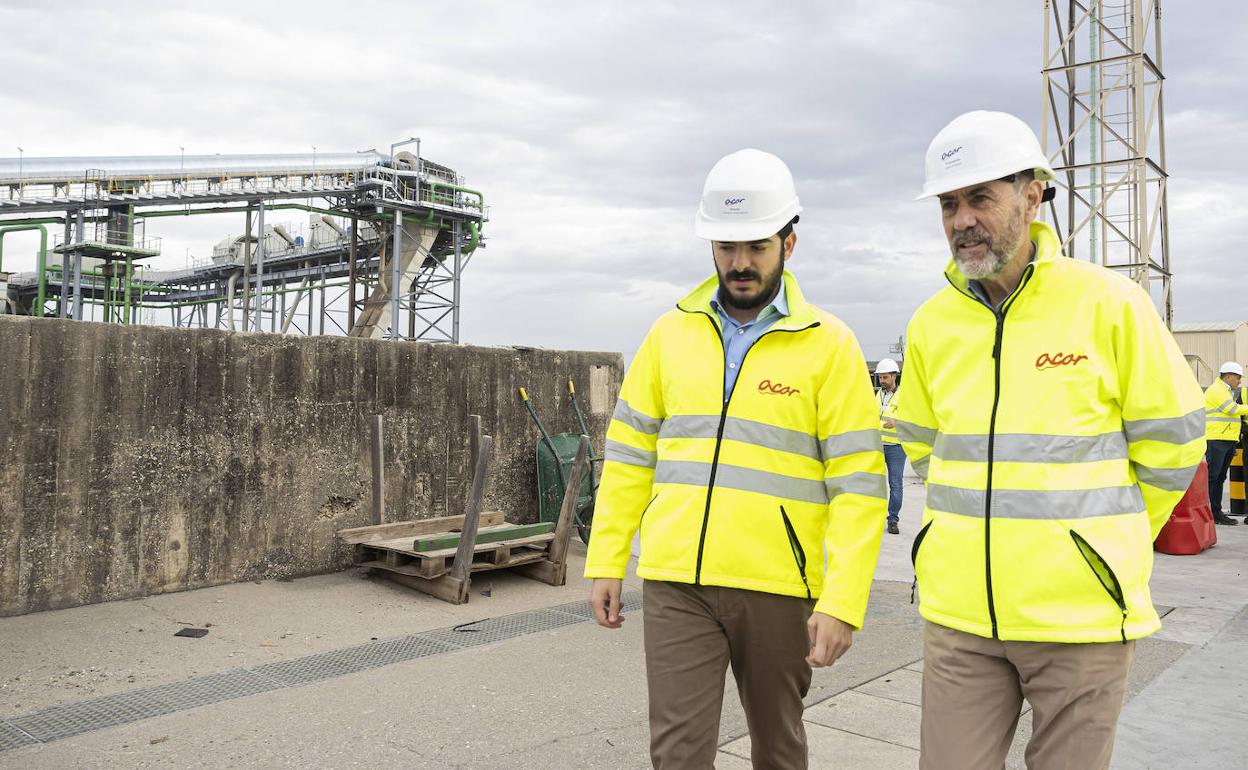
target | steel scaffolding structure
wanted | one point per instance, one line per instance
(1104, 131)
(409, 223)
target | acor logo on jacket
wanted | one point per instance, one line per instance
(1054, 360)
(779, 388)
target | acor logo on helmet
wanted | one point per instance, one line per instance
(947, 154)
(733, 201)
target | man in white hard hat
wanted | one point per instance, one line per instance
(887, 371)
(745, 448)
(1057, 425)
(1225, 409)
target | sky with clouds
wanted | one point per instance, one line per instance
(590, 127)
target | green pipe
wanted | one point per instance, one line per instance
(125, 291)
(480, 206)
(43, 259)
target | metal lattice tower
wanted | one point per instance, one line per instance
(1104, 132)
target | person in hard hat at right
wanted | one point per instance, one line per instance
(888, 372)
(1225, 409)
(745, 449)
(1057, 425)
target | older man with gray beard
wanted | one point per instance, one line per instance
(1056, 425)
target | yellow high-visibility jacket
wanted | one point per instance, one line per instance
(1222, 415)
(1055, 435)
(759, 492)
(888, 412)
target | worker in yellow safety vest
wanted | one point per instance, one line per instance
(1057, 424)
(745, 448)
(887, 371)
(1225, 408)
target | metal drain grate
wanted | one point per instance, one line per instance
(13, 738)
(213, 688)
(58, 722)
(506, 627)
(630, 601)
(349, 660)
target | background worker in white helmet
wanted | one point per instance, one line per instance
(1225, 409)
(888, 372)
(1057, 425)
(745, 447)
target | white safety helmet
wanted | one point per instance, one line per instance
(887, 366)
(982, 146)
(1230, 367)
(748, 196)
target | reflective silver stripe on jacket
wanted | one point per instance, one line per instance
(861, 483)
(630, 455)
(1037, 503)
(1169, 479)
(915, 434)
(849, 443)
(1171, 430)
(746, 479)
(642, 423)
(1031, 448)
(740, 429)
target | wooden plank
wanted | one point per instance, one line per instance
(484, 535)
(563, 532)
(487, 547)
(462, 566)
(409, 529)
(447, 588)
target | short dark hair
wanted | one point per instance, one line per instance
(784, 231)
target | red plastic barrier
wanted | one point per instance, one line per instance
(1190, 529)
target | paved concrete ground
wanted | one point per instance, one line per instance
(566, 697)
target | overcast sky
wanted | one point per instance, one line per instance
(590, 128)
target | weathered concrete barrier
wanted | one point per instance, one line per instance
(139, 460)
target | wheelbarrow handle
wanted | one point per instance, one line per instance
(545, 435)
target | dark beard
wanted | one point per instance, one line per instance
(770, 287)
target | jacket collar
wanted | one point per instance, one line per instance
(801, 315)
(1048, 249)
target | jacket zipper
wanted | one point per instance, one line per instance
(992, 431)
(914, 556)
(1115, 593)
(723, 418)
(799, 553)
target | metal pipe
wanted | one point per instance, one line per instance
(79, 231)
(260, 267)
(395, 275)
(229, 297)
(175, 167)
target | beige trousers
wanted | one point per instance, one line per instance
(692, 635)
(973, 691)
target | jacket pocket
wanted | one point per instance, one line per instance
(1104, 575)
(914, 556)
(799, 553)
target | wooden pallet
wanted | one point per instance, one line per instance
(445, 572)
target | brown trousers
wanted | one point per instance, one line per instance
(973, 690)
(692, 634)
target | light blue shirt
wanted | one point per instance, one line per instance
(740, 337)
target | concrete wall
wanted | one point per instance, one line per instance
(138, 460)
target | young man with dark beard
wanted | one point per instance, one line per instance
(745, 447)
(1056, 425)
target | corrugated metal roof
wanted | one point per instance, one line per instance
(1208, 326)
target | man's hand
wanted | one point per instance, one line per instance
(604, 598)
(830, 638)
(890, 424)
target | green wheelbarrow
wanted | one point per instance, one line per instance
(555, 455)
